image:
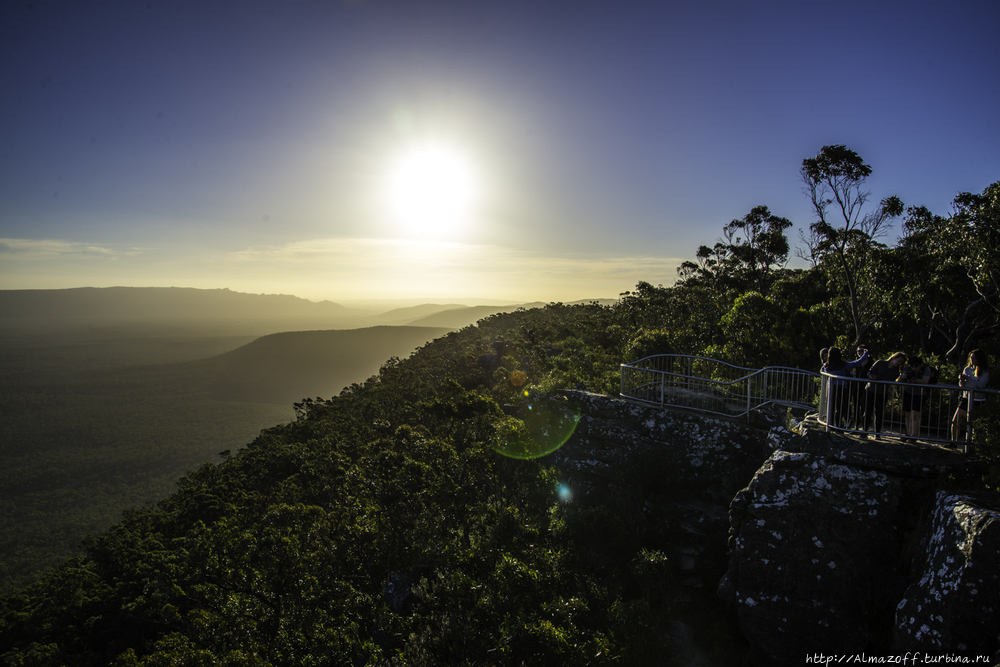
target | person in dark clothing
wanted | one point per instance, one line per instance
(836, 366)
(883, 370)
(914, 372)
(856, 392)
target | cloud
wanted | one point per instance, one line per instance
(399, 267)
(34, 250)
(336, 269)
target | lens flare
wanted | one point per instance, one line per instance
(538, 427)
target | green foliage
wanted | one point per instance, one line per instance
(750, 329)
(743, 260)
(977, 224)
(986, 443)
(282, 553)
(844, 236)
(649, 342)
(940, 295)
(85, 437)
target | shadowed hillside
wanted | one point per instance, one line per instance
(287, 367)
(98, 419)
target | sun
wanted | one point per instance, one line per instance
(431, 190)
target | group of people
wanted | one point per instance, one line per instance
(863, 405)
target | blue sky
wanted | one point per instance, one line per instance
(247, 144)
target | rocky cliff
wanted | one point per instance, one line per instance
(808, 542)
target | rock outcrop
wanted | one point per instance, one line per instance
(676, 471)
(954, 599)
(814, 555)
(816, 542)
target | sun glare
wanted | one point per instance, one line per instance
(431, 190)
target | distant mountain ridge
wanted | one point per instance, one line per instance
(411, 314)
(233, 312)
(461, 317)
(151, 303)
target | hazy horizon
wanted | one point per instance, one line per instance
(379, 305)
(519, 151)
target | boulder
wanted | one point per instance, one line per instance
(953, 602)
(813, 556)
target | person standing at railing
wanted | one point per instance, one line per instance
(883, 370)
(915, 372)
(857, 394)
(835, 365)
(973, 378)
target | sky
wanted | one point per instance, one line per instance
(471, 150)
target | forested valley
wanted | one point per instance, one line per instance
(98, 420)
(283, 552)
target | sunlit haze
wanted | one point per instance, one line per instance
(518, 151)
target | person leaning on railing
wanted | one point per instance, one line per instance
(973, 378)
(883, 370)
(835, 365)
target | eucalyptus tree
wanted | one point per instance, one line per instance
(976, 225)
(752, 251)
(949, 263)
(844, 231)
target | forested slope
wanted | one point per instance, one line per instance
(282, 553)
(285, 367)
(95, 421)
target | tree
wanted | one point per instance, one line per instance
(976, 224)
(745, 260)
(749, 329)
(756, 243)
(834, 181)
(938, 292)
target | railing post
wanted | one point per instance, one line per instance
(968, 422)
(663, 389)
(824, 400)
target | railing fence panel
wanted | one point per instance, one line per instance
(855, 405)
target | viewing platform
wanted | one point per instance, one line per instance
(856, 407)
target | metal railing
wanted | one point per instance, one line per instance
(905, 410)
(902, 410)
(716, 387)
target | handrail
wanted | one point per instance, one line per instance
(853, 405)
(843, 404)
(714, 386)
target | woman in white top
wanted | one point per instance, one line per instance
(975, 376)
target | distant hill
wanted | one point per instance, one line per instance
(408, 315)
(287, 367)
(156, 308)
(457, 318)
(117, 304)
